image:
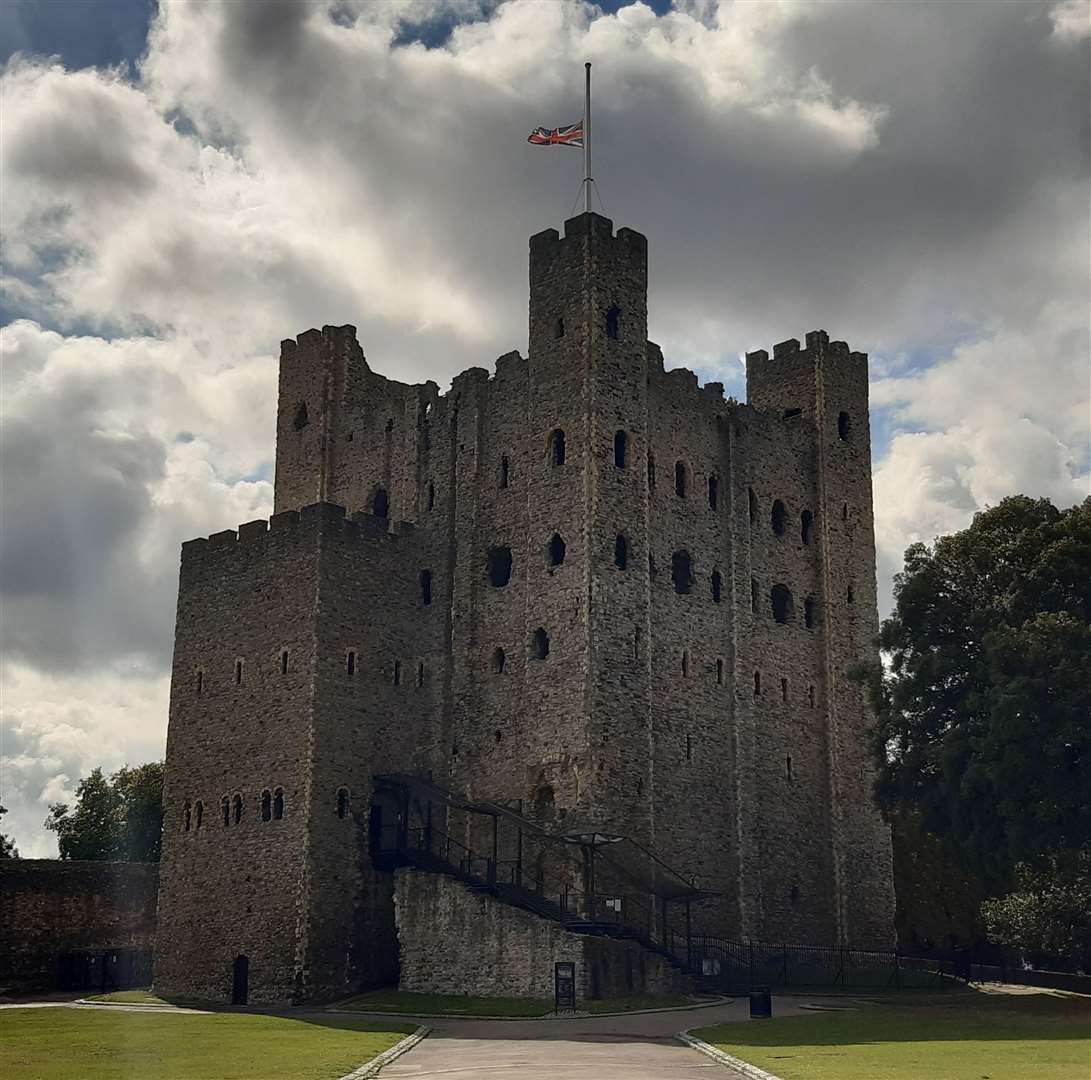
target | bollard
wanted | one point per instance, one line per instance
(761, 1003)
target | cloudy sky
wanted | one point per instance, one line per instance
(185, 184)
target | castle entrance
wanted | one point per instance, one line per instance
(240, 981)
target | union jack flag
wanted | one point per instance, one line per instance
(571, 135)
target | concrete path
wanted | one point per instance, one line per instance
(633, 1047)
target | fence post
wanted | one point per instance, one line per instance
(750, 950)
(897, 971)
(784, 964)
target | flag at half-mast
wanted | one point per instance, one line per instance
(571, 135)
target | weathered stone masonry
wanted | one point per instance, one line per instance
(582, 582)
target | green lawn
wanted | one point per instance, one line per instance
(130, 997)
(445, 1004)
(101, 1044)
(957, 1036)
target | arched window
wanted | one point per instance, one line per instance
(266, 805)
(342, 802)
(713, 492)
(806, 526)
(278, 804)
(187, 816)
(809, 612)
(284, 662)
(681, 572)
(543, 801)
(558, 328)
(621, 552)
(198, 813)
(755, 595)
(301, 420)
(498, 566)
(651, 472)
(621, 443)
(541, 643)
(717, 586)
(380, 503)
(350, 663)
(426, 587)
(430, 502)
(557, 447)
(782, 603)
(680, 479)
(238, 673)
(238, 809)
(752, 505)
(779, 518)
(505, 471)
(498, 661)
(843, 426)
(225, 810)
(556, 549)
(613, 323)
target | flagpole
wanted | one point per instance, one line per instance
(587, 142)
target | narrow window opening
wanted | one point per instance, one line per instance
(284, 662)
(844, 511)
(621, 441)
(651, 472)
(810, 696)
(757, 684)
(556, 549)
(752, 505)
(350, 663)
(225, 811)
(426, 587)
(430, 503)
(301, 420)
(541, 643)
(717, 586)
(719, 672)
(557, 447)
(806, 526)
(809, 612)
(348, 437)
(342, 803)
(621, 552)
(652, 568)
(637, 635)
(681, 572)
(795, 894)
(238, 673)
(788, 766)
(238, 809)
(613, 323)
(198, 812)
(505, 471)
(755, 595)
(689, 748)
(497, 735)
(278, 804)
(420, 673)
(850, 595)
(499, 566)
(713, 492)
(790, 414)
(843, 426)
(779, 518)
(685, 662)
(782, 603)
(187, 815)
(200, 681)
(498, 661)
(397, 673)
(543, 801)
(390, 424)
(680, 479)
(558, 328)
(380, 503)
(783, 689)
(266, 805)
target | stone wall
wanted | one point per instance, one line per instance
(49, 907)
(453, 940)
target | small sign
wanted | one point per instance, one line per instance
(564, 985)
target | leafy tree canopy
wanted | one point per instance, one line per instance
(8, 850)
(117, 817)
(984, 710)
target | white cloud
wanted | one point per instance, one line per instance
(1071, 20)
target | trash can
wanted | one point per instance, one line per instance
(761, 1003)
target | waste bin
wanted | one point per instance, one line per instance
(761, 1003)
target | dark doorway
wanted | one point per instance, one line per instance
(375, 828)
(240, 981)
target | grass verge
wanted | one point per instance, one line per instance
(965, 1036)
(101, 1044)
(130, 997)
(446, 1004)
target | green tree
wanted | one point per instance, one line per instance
(8, 850)
(117, 817)
(983, 712)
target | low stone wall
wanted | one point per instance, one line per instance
(453, 940)
(50, 907)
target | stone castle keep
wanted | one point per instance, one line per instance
(552, 667)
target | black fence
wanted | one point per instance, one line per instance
(103, 972)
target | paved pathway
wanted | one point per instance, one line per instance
(633, 1047)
